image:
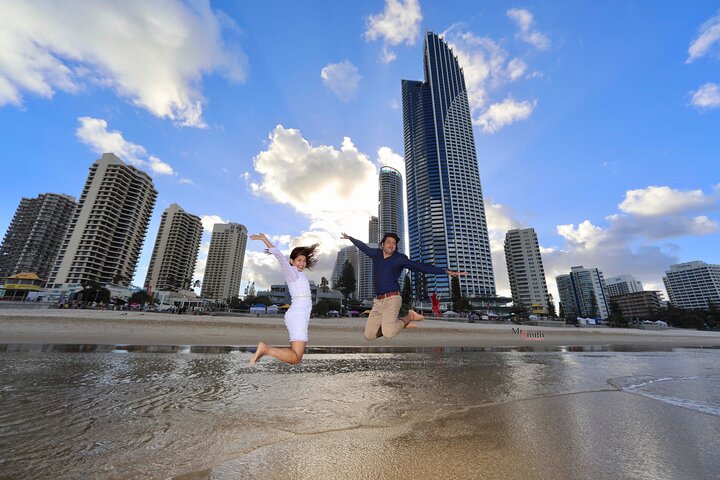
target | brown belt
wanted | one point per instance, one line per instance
(385, 295)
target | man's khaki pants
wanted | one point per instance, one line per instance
(383, 320)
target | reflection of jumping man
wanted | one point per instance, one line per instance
(388, 263)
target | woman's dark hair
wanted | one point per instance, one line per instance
(387, 235)
(308, 252)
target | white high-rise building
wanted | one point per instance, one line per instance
(525, 270)
(224, 266)
(108, 227)
(364, 288)
(391, 210)
(692, 285)
(176, 249)
(622, 284)
(582, 293)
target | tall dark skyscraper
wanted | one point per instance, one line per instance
(446, 215)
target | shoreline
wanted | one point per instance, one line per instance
(73, 327)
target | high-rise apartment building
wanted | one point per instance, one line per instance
(34, 237)
(349, 253)
(176, 249)
(108, 227)
(373, 230)
(391, 209)
(525, 269)
(582, 293)
(693, 285)
(364, 287)
(224, 266)
(446, 214)
(622, 284)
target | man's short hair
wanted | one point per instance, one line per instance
(393, 235)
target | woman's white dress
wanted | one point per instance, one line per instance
(297, 317)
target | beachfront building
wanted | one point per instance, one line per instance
(525, 270)
(175, 252)
(446, 214)
(374, 230)
(279, 294)
(622, 284)
(642, 305)
(224, 266)
(582, 293)
(693, 285)
(364, 286)
(35, 234)
(391, 210)
(107, 228)
(350, 254)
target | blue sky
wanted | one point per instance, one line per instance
(595, 123)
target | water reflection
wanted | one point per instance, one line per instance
(114, 411)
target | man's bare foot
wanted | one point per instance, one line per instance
(410, 325)
(259, 353)
(414, 316)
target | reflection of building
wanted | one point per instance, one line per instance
(622, 284)
(638, 305)
(35, 234)
(446, 214)
(525, 270)
(692, 285)
(582, 293)
(176, 248)
(224, 266)
(108, 227)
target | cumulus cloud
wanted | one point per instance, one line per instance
(707, 96)
(524, 20)
(499, 115)
(488, 67)
(663, 200)
(398, 23)
(708, 36)
(94, 132)
(334, 188)
(208, 221)
(343, 79)
(154, 54)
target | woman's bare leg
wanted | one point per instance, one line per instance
(292, 355)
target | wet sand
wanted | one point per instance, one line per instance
(136, 328)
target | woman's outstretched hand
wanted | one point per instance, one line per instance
(261, 236)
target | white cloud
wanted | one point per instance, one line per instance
(707, 96)
(709, 35)
(502, 114)
(94, 132)
(343, 79)
(154, 54)
(398, 23)
(524, 20)
(487, 68)
(186, 181)
(663, 200)
(208, 221)
(334, 188)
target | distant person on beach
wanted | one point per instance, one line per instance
(384, 318)
(298, 315)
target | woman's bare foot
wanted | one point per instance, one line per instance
(259, 353)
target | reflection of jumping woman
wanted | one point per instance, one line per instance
(298, 315)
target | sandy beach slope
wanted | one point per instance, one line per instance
(102, 327)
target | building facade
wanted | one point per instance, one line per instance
(582, 293)
(622, 284)
(350, 254)
(446, 213)
(693, 285)
(391, 207)
(642, 305)
(35, 235)
(525, 270)
(224, 266)
(364, 287)
(374, 230)
(108, 226)
(175, 252)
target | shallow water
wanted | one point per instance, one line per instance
(199, 412)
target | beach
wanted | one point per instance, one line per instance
(115, 395)
(56, 326)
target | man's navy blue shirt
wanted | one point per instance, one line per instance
(386, 271)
